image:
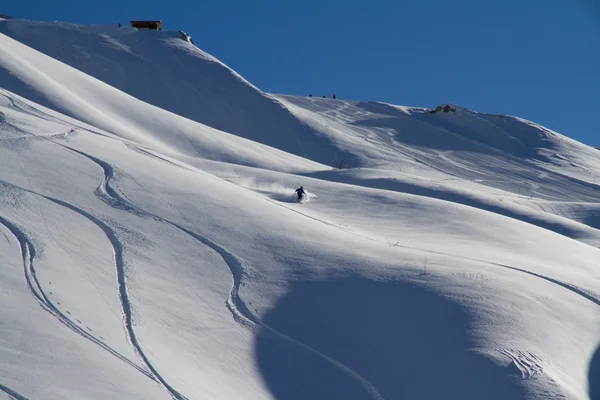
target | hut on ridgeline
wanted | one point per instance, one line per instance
(154, 25)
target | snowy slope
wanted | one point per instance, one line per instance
(151, 247)
(163, 70)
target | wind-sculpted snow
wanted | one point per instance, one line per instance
(152, 246)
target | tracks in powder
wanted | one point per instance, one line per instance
(28, 254)
(13, 395)
(123, 294)
(108, 195)
(586, 295)
(237, 307)
(234, 303)
(236, 266)
(567, 286)
(572, 288)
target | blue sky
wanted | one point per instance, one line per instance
(537, 59)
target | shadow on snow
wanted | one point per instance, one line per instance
(407, 342)
(594, 376)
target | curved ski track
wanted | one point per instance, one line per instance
(14, 395)
(28, 254)
(236, 306)
(123, 295)
(234, 303)
(27, 109)
(567, 286)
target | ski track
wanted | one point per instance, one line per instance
(586, 295)
(6, 237)
(29, 110)
(522, 215)
(234, 303)
(123, 295)
(277, 203)
(28, 255)
(572, 288)
(531, 366)
(38, 137)
(13, 395)
(125, 304)
(567, 286)
(526, 362)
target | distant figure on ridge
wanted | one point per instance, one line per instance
(310, 95)
(323, 96)
(334, 97)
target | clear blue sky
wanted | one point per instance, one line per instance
(538, 59)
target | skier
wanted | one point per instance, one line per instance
(300, 192)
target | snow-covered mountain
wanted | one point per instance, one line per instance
(152, 247)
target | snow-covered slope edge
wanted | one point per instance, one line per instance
(109, 109)
(161, 69)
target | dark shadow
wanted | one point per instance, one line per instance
(594, 376)
(592, 221)
(408, 342)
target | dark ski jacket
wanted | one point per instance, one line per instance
(300, 192)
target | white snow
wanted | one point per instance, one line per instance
(151, 246)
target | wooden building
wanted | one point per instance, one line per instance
(155, 25)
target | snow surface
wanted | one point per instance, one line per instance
(151, 246)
